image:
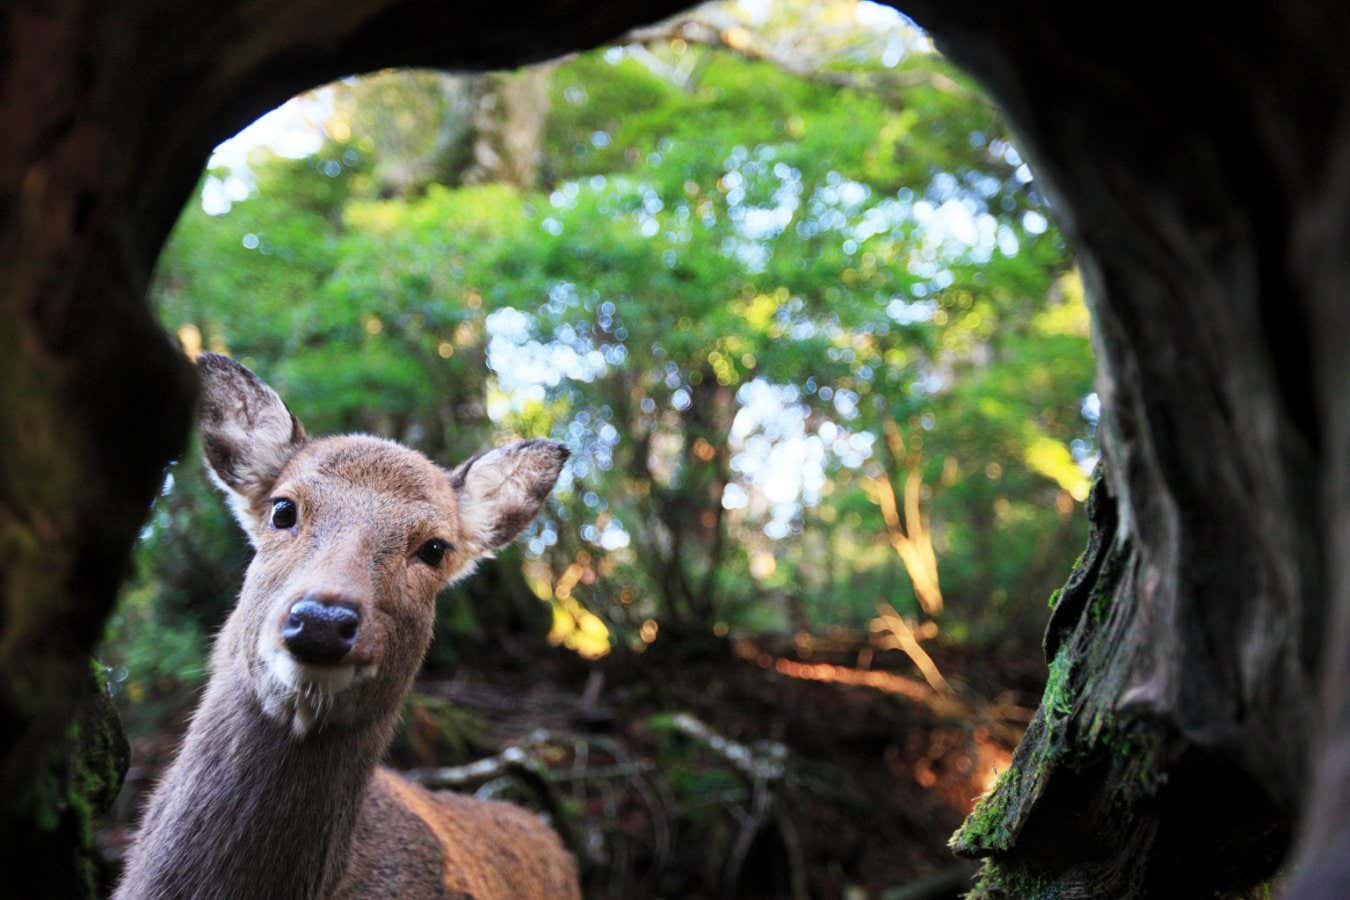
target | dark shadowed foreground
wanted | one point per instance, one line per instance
(706, 767)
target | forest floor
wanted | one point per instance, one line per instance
(739, 767)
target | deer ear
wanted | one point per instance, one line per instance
(501, 490)
(248, 434)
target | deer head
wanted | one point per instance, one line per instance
(354, 536)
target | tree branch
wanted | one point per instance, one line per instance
(789, 57)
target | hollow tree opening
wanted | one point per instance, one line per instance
(821, 358)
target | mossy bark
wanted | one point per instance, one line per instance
(55, 855)
(1103, 798)
(1200, 161)
(110, 112)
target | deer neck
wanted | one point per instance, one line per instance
(247, 809)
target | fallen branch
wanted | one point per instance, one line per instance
(893, 632)
(765, 763)
(763, 766)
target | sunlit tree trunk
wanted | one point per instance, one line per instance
(696, 507)
(475, 129)
(906, 524)
(426, 128)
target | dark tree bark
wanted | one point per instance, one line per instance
(1198, 712)
(1197, 702)
(110, 112)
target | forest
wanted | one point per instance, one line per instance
(780, 280)
(827, 558)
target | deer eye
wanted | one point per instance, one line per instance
(283, 513)
(433, 551)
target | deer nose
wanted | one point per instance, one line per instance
(320, 631)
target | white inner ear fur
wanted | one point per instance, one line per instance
(264, 447)
(248, 434)
(501, 490)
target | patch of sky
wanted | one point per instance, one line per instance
(906, 312)
(541, 535)
(609, 536)
(779, 460)
(846, 403)
(927, 383)
(565, 196)
(1085, 454)
(526, 366)
(293, 130)
(1092, 408)
(592, 438)
(781, 465)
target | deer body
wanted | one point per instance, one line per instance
(276, 791)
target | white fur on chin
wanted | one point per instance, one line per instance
(302, 696)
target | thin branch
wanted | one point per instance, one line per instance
(909, 537)
(893, 632)
(744, 43)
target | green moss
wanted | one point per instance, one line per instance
(1264, 891)
(75, 781)
(97, 757)
(987, 828)
(1103, 591)
(44, 798)
(991, 825)
(1071, 731)
(998, 880)
(83, 784)
(1136, 764)
(1057, 700)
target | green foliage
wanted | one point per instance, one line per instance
(734, 279)
(187, 570)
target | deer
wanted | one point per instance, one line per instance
(276, 790)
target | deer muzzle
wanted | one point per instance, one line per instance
(321, 630)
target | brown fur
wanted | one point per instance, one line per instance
(275, 792)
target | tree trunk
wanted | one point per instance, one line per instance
(510, 112)
(1201, 161)
(110, 112)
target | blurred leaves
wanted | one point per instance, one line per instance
(718, 279)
